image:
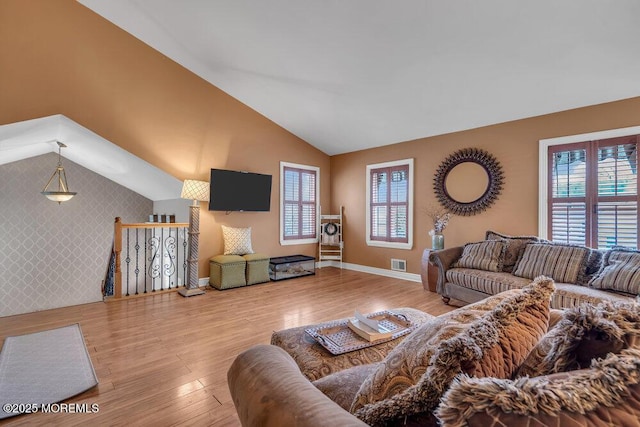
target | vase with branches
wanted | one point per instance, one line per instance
(440, 218)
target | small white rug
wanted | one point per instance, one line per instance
(43, 368)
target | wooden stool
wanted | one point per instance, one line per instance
(257, 268)
(227, 271)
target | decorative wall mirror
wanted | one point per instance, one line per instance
(468, 181)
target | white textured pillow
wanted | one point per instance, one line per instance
(237, 241)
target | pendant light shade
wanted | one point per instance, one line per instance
(62, 193)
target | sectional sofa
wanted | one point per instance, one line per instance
(501, 262)
(508, 360)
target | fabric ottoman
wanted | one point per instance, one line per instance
(257, 268)
(227, 271)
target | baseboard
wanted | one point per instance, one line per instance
(412, 277)
(321, 264)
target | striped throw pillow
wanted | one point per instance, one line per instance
(563, 263)
(620, 272)
(487, 255)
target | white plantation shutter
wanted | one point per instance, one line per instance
(617, 198)
(568, 222)
(568, 206)
(379, 182)
(593, 193)
(389, 203)
(617, 224)
(299, 201)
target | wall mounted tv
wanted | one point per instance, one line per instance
(239, 191)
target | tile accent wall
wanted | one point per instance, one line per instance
(56, 255)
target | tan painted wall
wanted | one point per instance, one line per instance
(514, 144)
(58, 57)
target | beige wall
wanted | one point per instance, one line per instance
(58, 57)
(57, 255)
(514, 144)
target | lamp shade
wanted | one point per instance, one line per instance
(195, 190)
(59, 196)
(62, 194)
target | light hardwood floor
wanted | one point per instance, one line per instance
(163, 360)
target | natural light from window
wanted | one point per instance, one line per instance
(389, 204)
(592, 197)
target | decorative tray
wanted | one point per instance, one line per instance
(338, 338)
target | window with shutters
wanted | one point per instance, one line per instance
(390, 204)
(592, 194)
(299, 203)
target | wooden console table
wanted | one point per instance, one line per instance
(428, 272)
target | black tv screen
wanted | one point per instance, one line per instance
(239, 191)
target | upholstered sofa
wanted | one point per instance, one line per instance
(506, 360)
(476, 270)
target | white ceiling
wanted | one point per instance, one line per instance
(346, 75)
(31, 138)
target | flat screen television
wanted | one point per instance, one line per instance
(239, 191)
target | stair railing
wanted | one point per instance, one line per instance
(148, 258)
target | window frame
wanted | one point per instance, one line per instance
(316, 170)
(544, 165)
(386, 243)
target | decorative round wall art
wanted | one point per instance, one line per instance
(468, 181)
(330, 229)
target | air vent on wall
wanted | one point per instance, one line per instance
(398, 264)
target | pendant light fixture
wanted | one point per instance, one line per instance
(62, 194)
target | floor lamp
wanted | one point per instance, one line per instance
(198, 191)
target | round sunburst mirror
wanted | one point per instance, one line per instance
(468, 181)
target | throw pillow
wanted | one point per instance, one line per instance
(417, 348)
(495, 345)
(515, 245)
(342, 386)
(487, 255)
(237, 241)
(620, 272)
(563, 263)
(580, 397)
(594, 264)
(584, 333)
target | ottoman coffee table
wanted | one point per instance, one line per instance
(316, 362)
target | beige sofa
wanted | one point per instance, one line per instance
(472, 272)
(506, 360)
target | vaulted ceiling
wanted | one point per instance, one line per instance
(347, 75)
(30, 138)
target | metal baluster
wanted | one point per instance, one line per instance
(169, 266)
(153, 270)
(184, 256)
(162, 258)
(145, 259)
(177, 252)
(128, 261)
(137, 247)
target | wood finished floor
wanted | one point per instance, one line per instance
(163, 360)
